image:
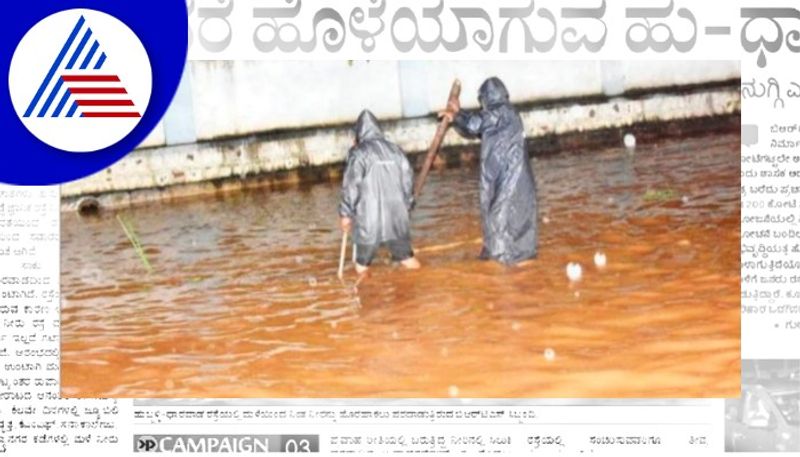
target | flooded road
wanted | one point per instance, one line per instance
(244, 300)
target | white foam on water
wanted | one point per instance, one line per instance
(574, 271)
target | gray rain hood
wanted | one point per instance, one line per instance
(367, 127)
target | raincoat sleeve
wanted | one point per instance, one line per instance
(408, 181)
(472, 123)
(353, 175)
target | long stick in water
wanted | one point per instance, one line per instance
(455, 93)
(444, 247)
(342, 255)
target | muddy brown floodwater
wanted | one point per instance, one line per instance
(244, 300)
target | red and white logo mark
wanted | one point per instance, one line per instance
(100, 96)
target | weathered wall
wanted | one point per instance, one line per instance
(189, 165)
(220, 99)
(233, 120)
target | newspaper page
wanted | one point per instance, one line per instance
(382, 228)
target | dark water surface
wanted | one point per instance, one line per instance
(244, 299)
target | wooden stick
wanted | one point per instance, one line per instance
(342, 255)
(444, 247)
(455, 93)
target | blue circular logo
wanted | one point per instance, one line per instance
(87, 82)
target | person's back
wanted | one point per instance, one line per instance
(377, 195)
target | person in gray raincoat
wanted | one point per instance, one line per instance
(507, 185)
(377, 196)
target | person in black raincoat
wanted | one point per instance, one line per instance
(377, 196)
(507, 185)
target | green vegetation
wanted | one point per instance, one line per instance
(127, 227)
(660, 195)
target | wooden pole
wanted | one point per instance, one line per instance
(342, 256)
(455, 93)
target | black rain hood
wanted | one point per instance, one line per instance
(492, 93)
(509, 210)
(377, 192)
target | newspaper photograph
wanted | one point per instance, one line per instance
(235, 292)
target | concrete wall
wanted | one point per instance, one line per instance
(188, 168)
(220, 99)
(234, 120)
